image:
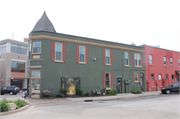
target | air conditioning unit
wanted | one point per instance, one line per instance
(94, 58)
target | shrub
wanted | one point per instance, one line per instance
(9, 101)
(135, 91)
(4, 106)
(78, 91)
(115, 92)
(86, 94)
(63, 91)
(19, 103)
(46, 93)
(60, 95)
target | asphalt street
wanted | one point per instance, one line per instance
(152, 107)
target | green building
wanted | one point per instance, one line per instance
(59, 60)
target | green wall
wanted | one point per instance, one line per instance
(92, 73)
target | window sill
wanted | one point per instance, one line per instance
(35, 67)
(36, 53)
(58, 61)
(151, 64)
(35, 78)
(171, 65)
(138, 66)
(108, 88)
(127, 66)
(108, 64)
(136, 81)
(82, 62)
(165, 65)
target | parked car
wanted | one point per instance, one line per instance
(16, 88)
(172, 88)
(12, 90)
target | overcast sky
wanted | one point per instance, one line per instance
(153, 22)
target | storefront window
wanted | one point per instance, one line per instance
(35, 74)
(35, 85)
(17, 66)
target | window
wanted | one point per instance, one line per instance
(82, 53)
(150, 59)
(159, 77)
(172, 77)
(152, 76)
(126, 56)
(35, 86)
(136, 76)
(36, 47)
(35, 74)
(19, 49)
(176, 84)
(137, 59)
(164, 58)
(108, 81)
(107, 56)
(3, 48)
(17, 66)
(30, 46)
(171, 61)
(58, 54)
(166, 77)
(179, 62)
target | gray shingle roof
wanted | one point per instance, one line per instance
(44, 24)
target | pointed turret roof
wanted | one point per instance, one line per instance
(44, 24)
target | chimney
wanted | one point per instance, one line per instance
(25, 39)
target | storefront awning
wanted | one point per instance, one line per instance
(15, 75)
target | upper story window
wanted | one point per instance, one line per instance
(107, 56)
(35, 74)
(36, 47)
(82, 54)
(17, 66)
(159, 76)
(126, 56)
(171, 61)
(3, 48)
(179, 62)
(137, 59)
(58, 52)
(30, 46)
(19, 49)
(150, 59)
(164, 58)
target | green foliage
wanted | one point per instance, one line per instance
(78, 91)
(135, 91)
(4, 106)
(63, 91)
(9, 101)
(60, 95)
(95, 93)
(111, 92)
(86, 94)
(19, 103)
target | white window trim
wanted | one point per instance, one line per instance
(164, 60)
(125, 58)
(159, 77)
(84, 54)
(171, 60)
(61, 52)
(109, 57)
(109, 80)
(150, 60)
(179, 62)
(137, 60)
(33, 48)
(135, 77)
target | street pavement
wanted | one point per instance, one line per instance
(149, 107)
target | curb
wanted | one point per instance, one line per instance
(15, 111)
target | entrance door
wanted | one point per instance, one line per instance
(119, 85)
(141, 83)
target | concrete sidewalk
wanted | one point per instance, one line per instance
(97, 98)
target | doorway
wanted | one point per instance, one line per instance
(119, 84)
(142, 83)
